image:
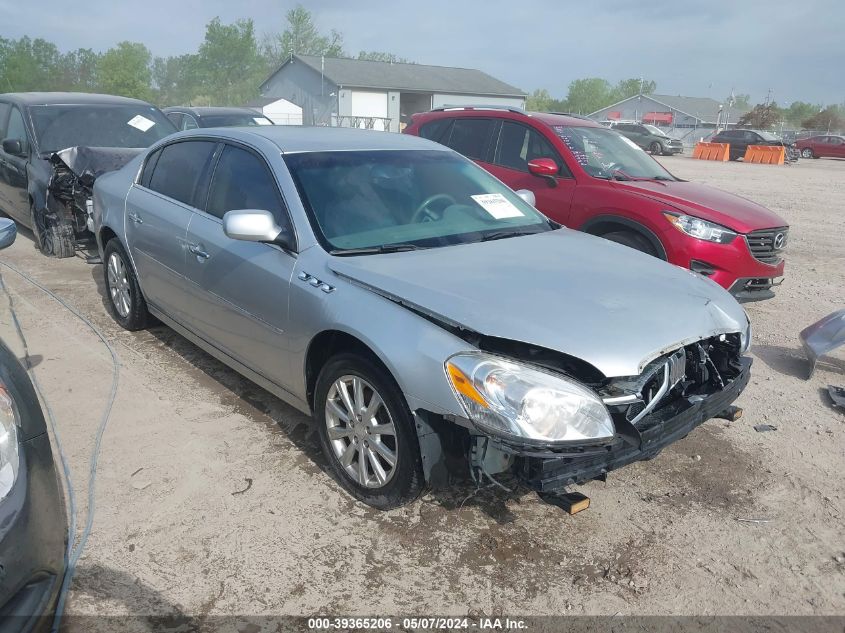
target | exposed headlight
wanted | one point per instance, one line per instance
(511, 398)
(745, 337)
(700, 229)
(9, 449)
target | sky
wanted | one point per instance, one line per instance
(703, 48)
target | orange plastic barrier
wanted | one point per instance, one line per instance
(765, 154)
(711, 151)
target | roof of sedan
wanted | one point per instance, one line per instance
(211, 110)
(70, 98)
(294, 138)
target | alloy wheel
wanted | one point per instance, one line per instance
(807, 152)
(361, 431)
(119, 288)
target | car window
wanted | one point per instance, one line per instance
(149, 167)
(471, 137)
(4, 111)
(426, 198)
(16, 129)
(176, 118)
(623, 127)
(434, 130)
(242, 180)
(519, 144)
(639, 129)
(179, 168)
(189, 122)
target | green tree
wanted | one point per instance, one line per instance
(762, 116)
(125, 70)
(800, 111)
(588, 95)
(539, 101)
(228, 63)
(176, 79)
(301, 37)
(741, 101)
(27, 64)
(831, 119)
(631, 88)
(377, 56)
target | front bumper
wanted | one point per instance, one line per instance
(33, 530)
(554, 471)
(673, 149)
(732, 266)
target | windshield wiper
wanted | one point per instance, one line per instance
(375, 250)
(500, 235)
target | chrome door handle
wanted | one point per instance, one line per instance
(135, 217)
(196, 250)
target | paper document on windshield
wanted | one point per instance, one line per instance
(140, 123)
(497, 206)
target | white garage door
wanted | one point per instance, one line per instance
(370, 104)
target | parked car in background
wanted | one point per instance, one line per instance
(425, 313)
(650, 138)
(739, 140)
(33, 523)
(826, 146)
(54, 145)
(590, 178)
(185, 118)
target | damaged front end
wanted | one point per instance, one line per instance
(71, 184)
(672, 395)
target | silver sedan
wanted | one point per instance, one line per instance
(435, 324)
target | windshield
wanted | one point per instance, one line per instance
(654, 130)
(415, 198)
(607, 154)
(60, 126)
(234, 120)
(768, 136)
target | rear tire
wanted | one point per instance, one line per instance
(125, 301)
(348, 441)
(53, 236)
(631, 240)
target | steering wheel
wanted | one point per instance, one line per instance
(424, 214)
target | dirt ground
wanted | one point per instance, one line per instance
(173, 534)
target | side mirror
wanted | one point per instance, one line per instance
(528, 196)
(15, 147)
(544, 168)
(255, 225)
(8, 232)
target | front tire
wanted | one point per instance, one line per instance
(367, 432)
(807, 153)
(656, 149)
(54, 237)
(125, 301)
(632, 240)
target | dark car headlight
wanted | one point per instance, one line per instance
(9, 447)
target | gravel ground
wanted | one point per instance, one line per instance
(173, 535)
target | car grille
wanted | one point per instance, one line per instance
(766, 245)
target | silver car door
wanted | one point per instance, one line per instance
(158, 211)
(238, 291)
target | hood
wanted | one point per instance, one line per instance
(707, 203)
(91, 162)
(604, 303)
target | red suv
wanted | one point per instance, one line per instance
(588, 177)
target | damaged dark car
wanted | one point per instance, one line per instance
(433, 322)
(54, 146)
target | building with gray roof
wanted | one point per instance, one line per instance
(379, 95)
